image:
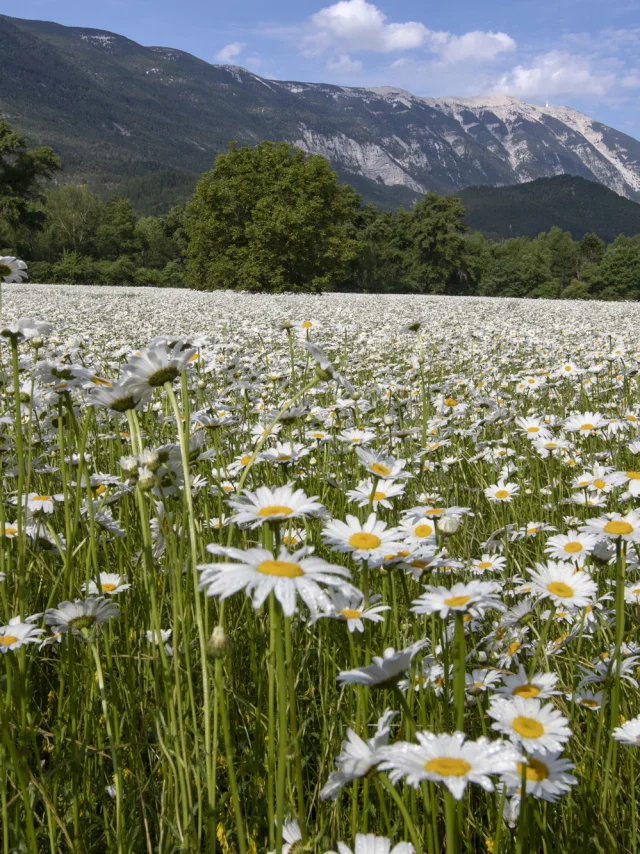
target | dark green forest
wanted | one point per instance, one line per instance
(272, 218)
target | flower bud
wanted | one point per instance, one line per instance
(388, 420)
(201, 384)
(449, 525)
(36, 342)
(219, 644)
(129, 465)
(145, 479)
(149, 459)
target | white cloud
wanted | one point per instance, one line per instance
(344, 64)
(229, 51)
(555, 73)
(357, 25)
(477, 46)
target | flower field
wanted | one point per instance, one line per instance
(336, 573)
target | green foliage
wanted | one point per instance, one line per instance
(271, 218)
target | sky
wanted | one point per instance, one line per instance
(583, 54)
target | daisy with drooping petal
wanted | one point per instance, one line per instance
(159, 363)
(12, 269)
(501, 491)
(541, 685)
(533, 428)
(563, 584)
(573, 546)
(369, 843)
(591, 700)
(546, 775)
(615, 525)
(448, 759)
(529, 723)
(274, 505)
(349, 607)
(81, 615)
(358, 757)
(628, 732)
(109, 582)
(370, 541)
(630, 478)
(417, 530)
(488, 563)
(292, 836)
(259, 572)
(386, 670)
(17, 633)
(474, 598)
(383, 467)
(364, 495)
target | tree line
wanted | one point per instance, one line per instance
(272, 218)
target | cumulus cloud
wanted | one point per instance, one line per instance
(555, 73)
(229, 51)
(344, 64)
(357, 25)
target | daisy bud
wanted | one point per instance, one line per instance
(219, 644)
(388, 420)
(145, 479)
(36, 343)
(149, 459)
(482, 656)
(449, 525)
(201, 384)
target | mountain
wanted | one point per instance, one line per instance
(152, 118)
(572, 203)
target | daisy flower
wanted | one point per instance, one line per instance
(501, 491)
(585, 423)
(259, 572)
(165, 635)
(547, 776)
(383, 467)
(529, 723)
(474, 598)
(591, 700)
(479, 681)
(488, 563)
(417, 530)
(563, 584)
(540, 685)
(16, 634)
(632, 594)
(370, 541)
(356, 436)
(274, 505)
(121, 396)
(615, 525)
(351, 609)
(363, 494)
(358, 757)
(10, 530)
(533, 428)
(630, 478)
(81, 615)
(448, 759)
(572, 546)
(158, 363)
(628, 733)
(284, 453)
(369, 843)
(12, 269)
(108, 582)
(292, 836)
(325, 369)
(385, 671)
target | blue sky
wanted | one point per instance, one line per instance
(581, 53)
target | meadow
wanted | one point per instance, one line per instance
(337, 573)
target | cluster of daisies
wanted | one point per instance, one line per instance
(463, 503)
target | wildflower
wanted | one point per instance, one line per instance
(259, 572)
(163, 638)
(369, 843)
(529, 723)
(615, 525)
(25, 327)
(370, 541)
(157, 364)
(349, 607)
(274, 505)
(561, 583)
(572, 546)
(628, 732)
(358, 757)
(585, 423)
(501, 491)
(546, 774)
(109, 583)
(488, 563)
(17, 633)
(473, 598)
(382, 466)
(292, 836)
(386, 670)
(81, 615)
(325, 370)
(363, 494)
(448, 759)
(540, 685)
(12, 269)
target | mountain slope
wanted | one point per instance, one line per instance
(117, 111)
(572, 203)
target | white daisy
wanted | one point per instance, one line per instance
(615, 525)
(502, 491)
(383, 467)
(386, 670)
(369, 843)
(529, 723)
(572, 546)
(488, 563)
(81, 615)
(546, 775)
(474, 598)
(540, 685)
(448, 759)
(274, 505)
(370, 541)
(16, 634)
(12, 269)
(349, 607)
(109, 582)
(259, 572)
(563, 584)
(363, 494)
(629, 732)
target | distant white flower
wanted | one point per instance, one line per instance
(474, 598)
(109, 583)
(81, 615)
(386, 670)
(563, 584)
(274, 505)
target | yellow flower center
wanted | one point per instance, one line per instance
(283, 458)
(513, 647)
(451, 401)
(527, 727)
(434, 511)
(41, 498)
(281, 568)
(423, 530)
(378, 468)
(484, 564)
(244, 460)
(586, 427)
(108, 588)
(365, 541)
(633, 475)
(274, 510)
(377, 496)
(7, 640)
(502, 493)
(456, 601)
(10, 532)
(447, 766)
(599, 483)
(306, 324)
(573, 547)
(618, 528)
(100, 381)
(558, 588)
(590, 704)
(350, 613)
(533, 429)
(528, 691)
(536, 771)
(533, 530)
